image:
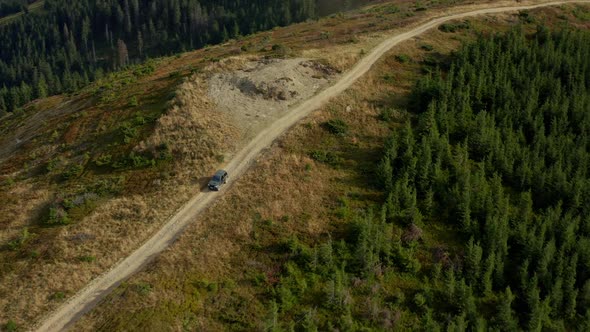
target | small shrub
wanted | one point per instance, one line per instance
(87, 259)
(174, 74)
(139, 119)
(58, 296)
(54, 135)
(82, 206)
(450, 27)
(73, 171)
(133, 101)
(143, 288)
(389, 78)
(581, 13)
(57, 216)
(128, 131)
(10, 326)
(212, 287)
(427, 47)
(139, 161)
(52, 164)
(336, 126)
(108, 97)
(402, 58)
(390, 9)
(259, 279)
(526, 17)
(387, 114)
(145, 69)
(17, 243)
(344, 211)
(9, 182)
(326, 157)
(107, 186)
(103, 160)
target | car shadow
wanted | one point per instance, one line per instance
(202, 182)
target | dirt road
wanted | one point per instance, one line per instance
(94, 292)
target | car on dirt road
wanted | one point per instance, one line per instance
(219, 179)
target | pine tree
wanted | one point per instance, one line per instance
(505, 319)
(41, 89)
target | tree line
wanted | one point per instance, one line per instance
(70, 43)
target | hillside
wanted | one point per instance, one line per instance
(338, 226)
(58, 46)
(92, 166)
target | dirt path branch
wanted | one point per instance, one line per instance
(100, 287)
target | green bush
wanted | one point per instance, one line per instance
(57, 216)
(139, 161)
(52, 164)
(336, 126)
(72, 172)
(58, 296)
(133, 101)
(128, 131)
(17, 243)
(454, 27)
(10, 326)
(402, 58)
(103, 160)
(326, 157)
(145, 69)
(387, 114)
(427, 47)
(87, 258)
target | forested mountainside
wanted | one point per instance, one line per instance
(498, 155)
(69, 43)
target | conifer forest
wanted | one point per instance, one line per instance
(499, 154)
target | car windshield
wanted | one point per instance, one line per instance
(216, 178)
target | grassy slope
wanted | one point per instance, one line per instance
(44, 264)
(219, 274)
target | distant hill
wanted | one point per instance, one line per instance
(68, 44)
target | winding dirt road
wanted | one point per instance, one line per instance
(100, 287)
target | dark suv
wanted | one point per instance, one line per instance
(217, 180)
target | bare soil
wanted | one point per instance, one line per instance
(262, 91)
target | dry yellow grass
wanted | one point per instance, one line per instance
(195, 135)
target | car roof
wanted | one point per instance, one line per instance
(220, 172)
